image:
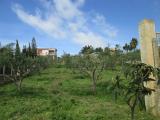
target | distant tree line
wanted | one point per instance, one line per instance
(31, 50)
(93, 61)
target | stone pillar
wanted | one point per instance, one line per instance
(147, 34)
(150, 56)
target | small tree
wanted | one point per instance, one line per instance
(20, 65)
(20, 69)
(6, 55)
(138, 74)
(18, 55)
(92, 64)
(17, 50)
(87, 50)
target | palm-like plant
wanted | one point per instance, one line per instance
(126, 47)
(133, 44)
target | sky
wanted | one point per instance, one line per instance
(68, 25)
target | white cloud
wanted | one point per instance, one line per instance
(67, 9)
(89, 39)
(50, 25)
(64, 19)
(108, 29)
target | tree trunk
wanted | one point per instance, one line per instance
(19, 85)
(94, 82)
(94, 86)
(4, 71)
(115, 95)
(132, 113)
(11, 70)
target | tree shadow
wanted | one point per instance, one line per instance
(79, 91)
(28, 92)
(45, 78)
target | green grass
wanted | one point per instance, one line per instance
(59, 94)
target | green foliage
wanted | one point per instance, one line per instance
(34, 47)
(55, 93)
(17, 51)
(20, 64)
(126, 47)
(131, 46)
(61, 108)
(107, 51)
(91, 65)
(29, 50)
(133, 43)
(6, 54)
(24, 50)
(66, 60)
(137, 75)
(62, 94)
(98, 50)
(87, 50)
(92, 62)
(117, 87)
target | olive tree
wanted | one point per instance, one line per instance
(6, 55)
(20, 63)
(91, 65)
(20, 66)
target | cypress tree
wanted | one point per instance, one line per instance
(17, 51)
(24, 50)
(34, 47)
(29, 51)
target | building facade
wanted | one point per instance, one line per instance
(47, 52)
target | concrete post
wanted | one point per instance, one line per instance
(150, 56)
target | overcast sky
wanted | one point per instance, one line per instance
(68, 25)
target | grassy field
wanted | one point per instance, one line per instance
(59, 94)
